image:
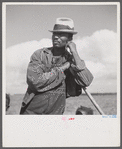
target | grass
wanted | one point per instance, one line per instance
(107, 102)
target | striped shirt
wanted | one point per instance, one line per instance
(48, 85)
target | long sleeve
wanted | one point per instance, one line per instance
(82, 75)
(41, 77)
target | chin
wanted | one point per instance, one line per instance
(57, 46)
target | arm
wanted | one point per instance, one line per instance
(41, 78)
(82, 75)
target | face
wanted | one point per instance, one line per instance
(60, 39)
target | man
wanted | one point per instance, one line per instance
(55, 73)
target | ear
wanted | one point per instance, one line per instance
(70, 38)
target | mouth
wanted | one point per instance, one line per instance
(55, 41)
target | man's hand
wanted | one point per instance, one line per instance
(65, 66)
(72, 47)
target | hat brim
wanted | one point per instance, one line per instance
(65, 31)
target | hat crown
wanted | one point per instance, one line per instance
(64, 25)
(65, 21)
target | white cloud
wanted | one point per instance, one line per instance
(21, 53)
(100, 47)
(98, 51)
(17, 59)
(96, 68)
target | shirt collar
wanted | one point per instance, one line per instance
(49, 51)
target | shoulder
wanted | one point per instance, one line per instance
(41, 52)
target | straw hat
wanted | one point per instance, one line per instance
(64, 25)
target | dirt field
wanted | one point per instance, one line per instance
(107, 102)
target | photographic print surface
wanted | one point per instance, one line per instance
(26, 29)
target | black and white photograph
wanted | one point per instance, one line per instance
(61, 74)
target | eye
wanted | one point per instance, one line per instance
(62, 34)
(56, 34)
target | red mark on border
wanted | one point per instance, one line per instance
(64, 118)
(71, 118)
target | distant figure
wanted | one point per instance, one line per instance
(84, 111)
(7, 101)
(54, 73)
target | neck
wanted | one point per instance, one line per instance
(58, 51)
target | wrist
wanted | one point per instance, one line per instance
(74, 52)
(65, 66)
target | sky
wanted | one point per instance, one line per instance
(27, 30)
